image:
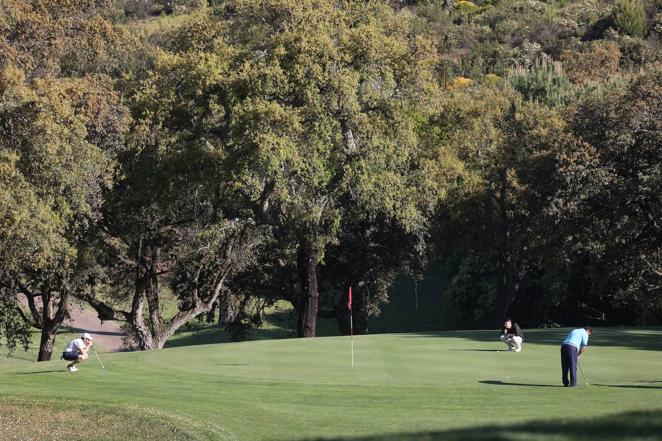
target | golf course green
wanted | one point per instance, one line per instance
(448, 385)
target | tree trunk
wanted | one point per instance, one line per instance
(140, 330)
(309, 305)
(52, 315)
(225, 311)
(143, 279)
(156, 322)
(46, 343)
(153, 333)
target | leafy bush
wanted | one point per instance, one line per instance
(544, 82)
(630, 17)
(459, 83)
(636, 52)
(596, 59)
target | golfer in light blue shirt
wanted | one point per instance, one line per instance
(573, 346)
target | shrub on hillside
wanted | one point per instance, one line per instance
(637, 52)
(630, 17)
(588, 61)
(459, 83)
(543, 82)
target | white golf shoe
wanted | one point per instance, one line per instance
(72, 368)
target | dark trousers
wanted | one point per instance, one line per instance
(569, 365)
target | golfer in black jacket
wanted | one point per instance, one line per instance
(512, 335)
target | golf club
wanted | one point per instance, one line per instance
(582, 371)
(95, 353)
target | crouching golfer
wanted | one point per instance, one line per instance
(512, 335)
(76, 352)
(573, 346)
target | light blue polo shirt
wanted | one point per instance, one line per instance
(578, 338)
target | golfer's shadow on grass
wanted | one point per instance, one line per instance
(478, 350)
(508, 383)
(41, 372)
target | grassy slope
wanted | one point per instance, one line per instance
(404, 386)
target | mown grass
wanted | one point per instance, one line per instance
(434, 386)
(29, 419)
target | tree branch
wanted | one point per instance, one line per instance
(106, 312)
(656, 271)
(25, 318)
(36, 315)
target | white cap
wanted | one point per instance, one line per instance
(86, 336)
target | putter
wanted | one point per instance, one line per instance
(95, 353)
(582, 371)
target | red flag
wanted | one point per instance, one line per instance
(349, 301)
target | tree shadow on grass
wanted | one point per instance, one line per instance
(634, 338)
(475, 335)
(199, 333)
(620, 427)
(629, 386)
(205, 335)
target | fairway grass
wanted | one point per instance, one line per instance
(436, 386)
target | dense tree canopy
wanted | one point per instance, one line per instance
(58, 140)
(610, 203)
(231, 153)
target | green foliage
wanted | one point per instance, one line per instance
(178, 7)
(495, 221)
(59, 137)
(637, 52)
(466, 8)
(315, 110)
(543, 82)
(470, 297)
(609, 202)
(13, 329)
(51, 184)
(596, 59)
(492, 80)
(272, 143)
(63, 38)
(51, 189)
(630, 17)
